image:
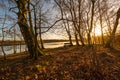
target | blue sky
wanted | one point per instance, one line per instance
(5, 5)
(47, 6)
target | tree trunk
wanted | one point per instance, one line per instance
(108, 44)
(25, 29)
(30, 17)
(41, 43)
(76, 39)
(79, 26)
(14, 46)
(40, 36)
(81, 39)
(70, 40)
(3, 36)
(2, 45)
(101, 26)
(91, 24)
(68, 30)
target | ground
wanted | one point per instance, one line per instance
(70, 63)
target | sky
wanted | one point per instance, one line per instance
(52, 34)
(46, 7)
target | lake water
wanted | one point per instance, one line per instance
(22, 48)
(54, 44)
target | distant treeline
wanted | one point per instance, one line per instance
(10, 42)
(54, 40)
(18, 42)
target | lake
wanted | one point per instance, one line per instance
(22, 48)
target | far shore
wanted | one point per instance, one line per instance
(18, 42)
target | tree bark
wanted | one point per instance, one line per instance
(40, 36)
(68, 30)
(14, 46)
(101, 26)
(91, 24)
(79, 26)
(30, 17)
(25, 29)
(76, 39)
(3, 36)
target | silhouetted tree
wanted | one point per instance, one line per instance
(108, 44)
(91, 24)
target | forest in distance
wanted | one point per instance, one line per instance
(59, 40)
(17, 42)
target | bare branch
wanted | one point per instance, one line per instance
(12, 9)
(52, 25)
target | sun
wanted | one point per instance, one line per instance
(97, 30)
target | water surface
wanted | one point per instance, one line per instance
(22, 48)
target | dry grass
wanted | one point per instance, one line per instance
(72, 63)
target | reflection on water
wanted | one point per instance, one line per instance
(10, 50)
(54, 44)
(22, 48)
(6, 48)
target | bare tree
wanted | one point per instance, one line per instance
(67, 27)
(28, 35)
(91, 24)
(40, 26)
(3, 35)
(101, 24)
(2, 45)
(108, 44)
(14, 47)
